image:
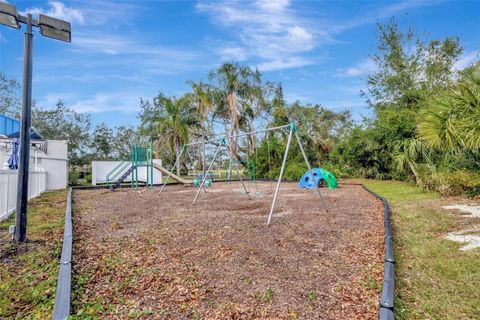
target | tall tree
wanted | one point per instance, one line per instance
(408, 71)
(9, 101)
(123, 139)
(233, 79)
(102, 142)
(63, 123)
(176, 117)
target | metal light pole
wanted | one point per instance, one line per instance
(52, 28)
(22, 185)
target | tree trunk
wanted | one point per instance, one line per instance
(177, 152)
(232, 103)
(157, 149)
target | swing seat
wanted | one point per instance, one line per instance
(198, 180)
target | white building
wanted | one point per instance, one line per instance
(48, 170)
(101, 170)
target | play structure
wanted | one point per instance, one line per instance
(171, 174)
(129, 170)
(140, 156)
(317, 175)
(225, 145)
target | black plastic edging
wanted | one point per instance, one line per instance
(388, 286)
(62, 296)
(63, 293)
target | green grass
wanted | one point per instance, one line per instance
(28, 272)
(434, 280)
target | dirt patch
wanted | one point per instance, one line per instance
(154, 256)
(470, 237)
(469, 209)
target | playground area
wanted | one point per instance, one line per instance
(151, 255)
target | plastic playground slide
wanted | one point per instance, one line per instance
(172, 175)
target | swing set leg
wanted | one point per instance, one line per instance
(279, 179)
(309, 169)
(202, 185)
(239, 175)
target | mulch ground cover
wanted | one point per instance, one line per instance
(145, 255)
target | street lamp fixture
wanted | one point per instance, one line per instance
(52, 28)
(9, 15)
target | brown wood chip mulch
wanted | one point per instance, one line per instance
(147, 255)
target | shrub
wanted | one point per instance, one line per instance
(88, 178)
(294, 171)
(456, 183)
(73, 177)
(338, 171)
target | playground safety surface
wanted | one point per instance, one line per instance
(147, 255)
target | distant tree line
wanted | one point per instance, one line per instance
(424, 127)
(85, 142)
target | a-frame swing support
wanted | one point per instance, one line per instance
(292, 131)
(183, 151)
(217, 151)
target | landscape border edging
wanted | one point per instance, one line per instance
(63, 292)
(62, 296)
(388, 285)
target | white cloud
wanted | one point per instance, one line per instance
(133, 51)
(345, 104)
(232, 53)
(266, 31)
(105, 43)
(374, 14)
(278, 35)
(59, 10)
(287, 63)
(299, 38)
(365, 67)
(273, 5)
(108, 101)
(466, 60)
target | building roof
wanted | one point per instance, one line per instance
(10, 127)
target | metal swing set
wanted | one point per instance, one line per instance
(222, 144)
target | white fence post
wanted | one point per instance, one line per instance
(8, 187)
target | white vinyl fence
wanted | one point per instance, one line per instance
(8, 189)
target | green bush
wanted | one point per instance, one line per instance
(88, 178)
(73, 177)
(294, 171)
(338, 171)
(455, 183)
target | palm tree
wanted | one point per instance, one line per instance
(412, 156)
(449, 120)
(178, 116)
(233, 79)
(201, 94)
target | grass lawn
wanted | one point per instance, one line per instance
(28, 272)
(434, 280)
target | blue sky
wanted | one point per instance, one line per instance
(124, 50)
